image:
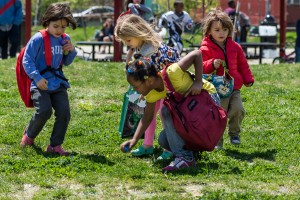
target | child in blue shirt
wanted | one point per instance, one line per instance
(49, 89)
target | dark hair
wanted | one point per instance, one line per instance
(177, 2)
(231, 4)
(141, 68)
(58, 11)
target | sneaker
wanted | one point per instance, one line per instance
(26, 141)
(142, 151)
(57, 150)
(165, 155)
(235, 140)
(179, 163)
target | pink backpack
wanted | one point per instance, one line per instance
(197, 118)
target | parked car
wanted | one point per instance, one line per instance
(94, 15)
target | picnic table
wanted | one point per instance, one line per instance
(260, 46)
(94, 44)
(255, 45)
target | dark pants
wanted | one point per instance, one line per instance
(43, 102)
(13, 36)
(243, 37)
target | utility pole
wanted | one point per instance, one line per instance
(118, 47)
(267, 7)
(28, 21)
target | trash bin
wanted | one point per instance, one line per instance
(268, 33)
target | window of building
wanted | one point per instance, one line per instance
(293, 2)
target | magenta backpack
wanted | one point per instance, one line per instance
(197, 118)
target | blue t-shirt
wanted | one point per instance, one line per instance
(34, 60)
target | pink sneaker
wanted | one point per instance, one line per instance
(26, 141)
(179, 163)
(57, 150)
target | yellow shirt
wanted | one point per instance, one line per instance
(181, 82)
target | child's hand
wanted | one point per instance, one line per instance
(127, 145)
(195, 88)
(217, 63)
(68, 46)
(42, 84)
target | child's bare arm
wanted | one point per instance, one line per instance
(129, 55)
(193, 58)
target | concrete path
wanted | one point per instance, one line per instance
(84, 52)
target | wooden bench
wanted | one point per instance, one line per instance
(260, 45)
(94, 44)
(255, 45)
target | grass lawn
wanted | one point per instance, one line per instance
(265, 166)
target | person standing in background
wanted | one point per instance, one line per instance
(297, 46)
(139, 8)
(231, 7)
(176, 22)
(10, 20)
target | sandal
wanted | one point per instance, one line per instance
(141, 151)
(165, 155)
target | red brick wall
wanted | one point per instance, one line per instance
(256, 10)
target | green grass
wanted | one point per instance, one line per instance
(264, 166)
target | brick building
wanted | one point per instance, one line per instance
(256, 10)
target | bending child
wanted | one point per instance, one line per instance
(145, 77)
(138, 35)
(49, 89)
(217, 47)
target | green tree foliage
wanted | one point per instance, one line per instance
(75, 5)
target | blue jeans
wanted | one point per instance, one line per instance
(43, 101)
(170, 139)
(297, 51)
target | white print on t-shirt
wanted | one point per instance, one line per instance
(56, 49)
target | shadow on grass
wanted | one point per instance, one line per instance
(267, 155)
(91, 157)
(203, 166)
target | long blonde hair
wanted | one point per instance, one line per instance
(131, 25)
(216, 15)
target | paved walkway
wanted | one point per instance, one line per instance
(85, 53)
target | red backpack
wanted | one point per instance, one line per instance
(198, 120)
(23, 81)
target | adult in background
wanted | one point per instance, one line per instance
(175, 22)
(106, 34)
(139, 8)
(297, 46)
(231, 7)
(242, 24)
(10, 20)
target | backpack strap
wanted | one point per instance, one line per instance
(48, 54)
(166, 80)
(7, 6)
(47, 47)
